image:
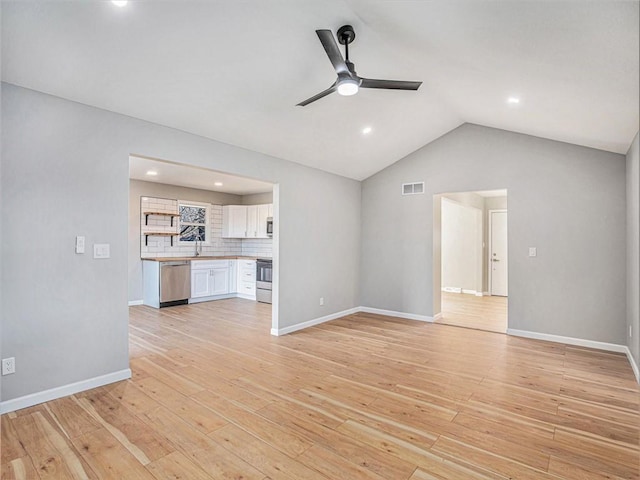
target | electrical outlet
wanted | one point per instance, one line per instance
(321, 301)
(533, 251)
(101, 250)
(8, 366)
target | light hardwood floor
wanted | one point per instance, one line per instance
(465, 310)
(214, 396)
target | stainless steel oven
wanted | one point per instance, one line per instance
(264, 275)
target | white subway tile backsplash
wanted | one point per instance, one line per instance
(216, 245)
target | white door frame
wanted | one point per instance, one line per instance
(490, 249)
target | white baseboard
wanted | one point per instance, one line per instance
(316, 321)
(392, 313)
(452, 289)
(634, 365)
(63, 391)
(133, 303)
(213, 297)
(486, 294)
(580, 342)
(351, 311)
(610, 347)
(464, 290)
(246, 297)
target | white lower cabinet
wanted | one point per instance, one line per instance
(220, 281)
(246, 279)
(210, 277)
(233, 276)
(200, 281)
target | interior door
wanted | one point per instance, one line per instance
(498, 254)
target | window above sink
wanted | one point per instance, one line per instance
(193, 222)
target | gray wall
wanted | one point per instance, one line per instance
(633, 249)
(137, 189)
(567, 201)
(257, 199)
(65, 173)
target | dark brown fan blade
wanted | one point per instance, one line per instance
(390, 84)
(306, 102)
(331, 47)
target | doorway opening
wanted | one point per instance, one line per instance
(187, 217)
(471, 259)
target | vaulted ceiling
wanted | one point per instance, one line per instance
(234, 70)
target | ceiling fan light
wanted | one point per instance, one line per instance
(348, 86)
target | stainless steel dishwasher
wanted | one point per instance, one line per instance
(175, 283)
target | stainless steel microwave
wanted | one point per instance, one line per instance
(270, 226)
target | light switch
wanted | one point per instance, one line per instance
(101, 250)
(79, 244)
(533, 251)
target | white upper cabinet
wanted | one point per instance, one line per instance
(263, 214)
(234, 221)
(252, 221)
(245, 221)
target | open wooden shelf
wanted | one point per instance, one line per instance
(158, 234)
(159, 214)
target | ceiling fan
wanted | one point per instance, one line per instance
(348, 81)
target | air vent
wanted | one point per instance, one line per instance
(412, 188)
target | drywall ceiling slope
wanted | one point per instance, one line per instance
(234, 71)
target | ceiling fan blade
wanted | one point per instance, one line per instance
(331, 47)
(306, 102)
(390, 84)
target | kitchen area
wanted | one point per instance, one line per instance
(195, 244)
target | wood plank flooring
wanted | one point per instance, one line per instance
(483, 313)
(214, 396)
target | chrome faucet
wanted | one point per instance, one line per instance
(198, 247)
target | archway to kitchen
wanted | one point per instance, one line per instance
(197, 235)
(471, 259)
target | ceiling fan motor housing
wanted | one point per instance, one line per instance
(346, 34)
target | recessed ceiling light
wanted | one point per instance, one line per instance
(152, 173)
(366, 130)
(120, 3)
(513, 100)
(218, 184)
